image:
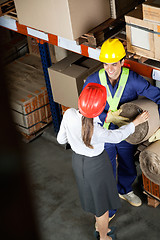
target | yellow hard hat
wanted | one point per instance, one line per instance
(112, 51)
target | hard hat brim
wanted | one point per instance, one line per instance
(111, 60)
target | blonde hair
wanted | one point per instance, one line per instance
(87, 131)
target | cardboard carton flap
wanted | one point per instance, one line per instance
(64, 63)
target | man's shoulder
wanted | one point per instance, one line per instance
(133, 74)
(94, 74)
(94, 77)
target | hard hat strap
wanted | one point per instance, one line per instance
(113, 102)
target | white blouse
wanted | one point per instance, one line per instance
(70, 131)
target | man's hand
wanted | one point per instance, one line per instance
(155, 136)
(116, 119)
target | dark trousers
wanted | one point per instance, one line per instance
(126, 169)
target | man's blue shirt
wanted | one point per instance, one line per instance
(136, 86)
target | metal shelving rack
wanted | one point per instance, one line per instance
(45, 38)
(46, 63)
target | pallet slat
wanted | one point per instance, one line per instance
(7, 7)
(97, 36)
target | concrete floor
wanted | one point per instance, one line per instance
(60, 216)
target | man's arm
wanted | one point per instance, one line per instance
(144, 88)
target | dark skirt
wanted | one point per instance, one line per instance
(96, 183)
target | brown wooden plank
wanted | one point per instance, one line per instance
(152, 202)
(155, 190)
(146, 183)
(6, 3)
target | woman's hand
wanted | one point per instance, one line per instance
(141, 118)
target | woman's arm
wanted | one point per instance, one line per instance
(120, 134)
(62, 136)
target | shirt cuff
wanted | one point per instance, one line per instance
(131, 127)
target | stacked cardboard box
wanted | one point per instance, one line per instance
(67, 78)
(143, 36)
(70, 18)
(28, 94)
(66, 18)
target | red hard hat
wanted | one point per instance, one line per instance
(92, 100)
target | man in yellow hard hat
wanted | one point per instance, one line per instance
(123, 85)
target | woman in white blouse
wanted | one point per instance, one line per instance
(91, 165)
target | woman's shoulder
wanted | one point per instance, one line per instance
(71, 111)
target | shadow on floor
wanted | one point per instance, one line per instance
(59, 212)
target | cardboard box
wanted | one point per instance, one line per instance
(143, 37)
(67, 78)
(28, 95)
(32, 65)
(66, 18)
(25, 112)
(151, 10)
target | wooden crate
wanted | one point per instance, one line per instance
(143, 37)
(151, 11)
(153, 191)
(151, 187)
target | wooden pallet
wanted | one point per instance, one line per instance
(28, 138)
(152, 201)
(97, 36)
(13, 15)
(7, 8)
